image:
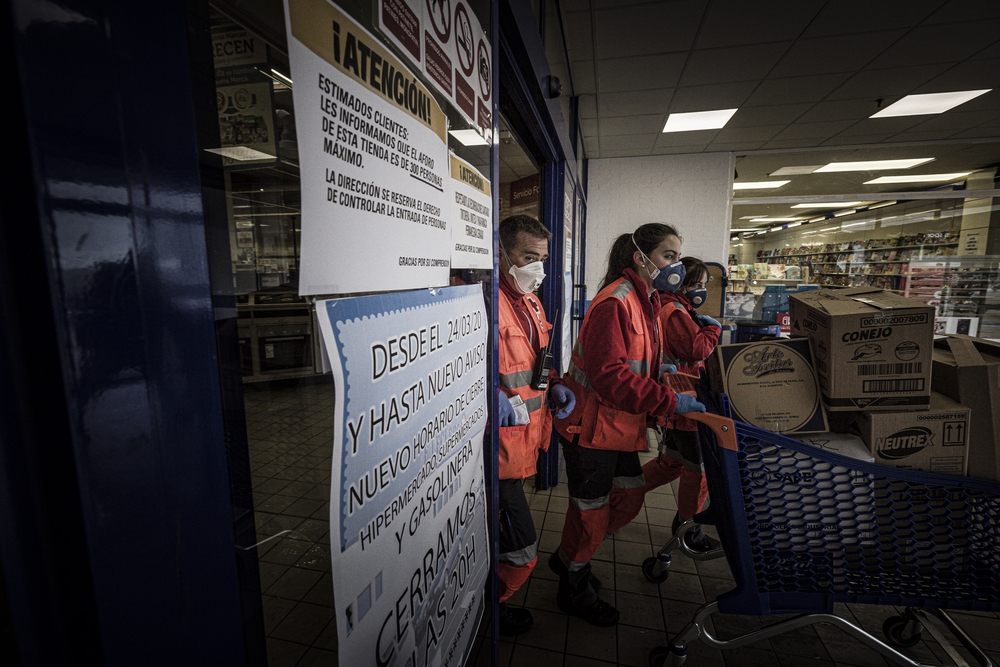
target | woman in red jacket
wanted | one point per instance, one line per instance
(614, 374)
(688, 340)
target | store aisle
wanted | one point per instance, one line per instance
(290, 431)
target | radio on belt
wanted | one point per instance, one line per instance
(543, 363)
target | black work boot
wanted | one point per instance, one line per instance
(514, 620)
(577, 597)
(559, 568)
(694, 539)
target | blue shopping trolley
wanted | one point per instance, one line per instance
(803, 528)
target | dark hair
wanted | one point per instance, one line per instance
(693, 268)
(647, 237)
(513, 225)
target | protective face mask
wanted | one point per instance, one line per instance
(697, 297)
(527, 278)
(667, 279)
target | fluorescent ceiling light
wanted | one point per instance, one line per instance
(919, 178)
(776, 229)
(872, 207)
(240, 153)
(922, 105)
(830, 229)
(281, 77)
(774, 219)
(792, 224)
(828, 204)
(795, 171)
(698, 120)
(759, 185)
(840, 214)
(873, 165)
(817, 219)
(469, 137)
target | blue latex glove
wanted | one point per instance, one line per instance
(506, 412)
(668, 368)
(562, 397)
(688, 403)
(706, 321)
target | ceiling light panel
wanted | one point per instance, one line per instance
(922, 105)
(796, 171)
(469, 137)
(828, 204)
(775, 219)
(698, 120)
(759, 185)
(919, 178)
(873, 165)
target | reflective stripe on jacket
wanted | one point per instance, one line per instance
(519, 445)
(598, 422)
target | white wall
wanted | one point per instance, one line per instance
(692, 192)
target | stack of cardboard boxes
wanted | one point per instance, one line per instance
(917, 403)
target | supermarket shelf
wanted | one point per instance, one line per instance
(888, 247)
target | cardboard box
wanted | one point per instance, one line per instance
(936, 440)
(771, 384)
(968, 371)
(873, 348)
(845, 444)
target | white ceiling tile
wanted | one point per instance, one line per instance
(814, 130)
(956, 120)
(584, 81)
(948, 43)
(647, 29)
(588, 106)
(965, 10)
(839, 110)
(856, 139)
(968, 75)
(707, 98)
(789, 143)
(843, 53)
(992, 51)
(767, 115)
(884, 125)
(678, 150)
(731, 22)
(746, 146)
(579, 36)
(638, 102)
(696, 138)
(632, 124)
(886, 83)
(588, 126)
(795, 89)
(628, 141)
(625, 152)
(640, 72)
(741, 63)
(848, 16)
(758, 133)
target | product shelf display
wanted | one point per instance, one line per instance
(964, 290)
(878, 263)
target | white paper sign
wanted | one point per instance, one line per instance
(374, 161)
(472, 217)
(408, 531)
(447, 42)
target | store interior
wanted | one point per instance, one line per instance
(901, 220)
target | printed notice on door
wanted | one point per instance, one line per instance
(373, 157)
(408, 532)
(472, 217)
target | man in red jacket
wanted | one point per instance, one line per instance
(525, 423)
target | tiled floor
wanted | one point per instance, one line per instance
(290, 430)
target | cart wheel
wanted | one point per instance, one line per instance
(892, 628)
(658, 655)
(648, 569)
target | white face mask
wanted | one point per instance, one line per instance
(526, 278)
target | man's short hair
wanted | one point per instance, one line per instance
(511, 226)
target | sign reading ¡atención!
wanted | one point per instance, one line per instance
(408, 532)
(373, 160)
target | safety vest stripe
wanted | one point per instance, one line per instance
(534, 403)
(579, 376)
(637, 366)
(623, 290)
(636, 482)
(515, 380)
(584, 504)
(521, 556)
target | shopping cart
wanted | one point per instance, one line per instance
(803, 528)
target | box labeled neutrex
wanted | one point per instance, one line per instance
(936, 440)
(771, 384)
(873, 348)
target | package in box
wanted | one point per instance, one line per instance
(968, 371)
(873, 348)
(845, 444)
(771, 384)
(935, 440)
